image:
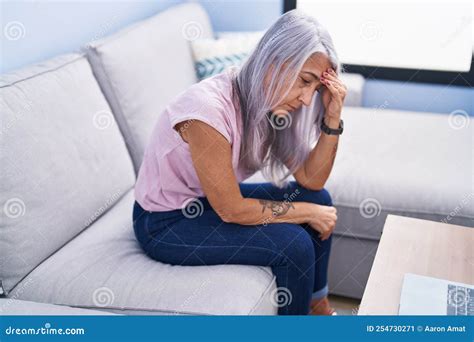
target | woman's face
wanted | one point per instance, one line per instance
(307, 82)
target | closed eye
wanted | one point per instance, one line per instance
(305, 81)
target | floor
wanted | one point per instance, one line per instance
(344, 306)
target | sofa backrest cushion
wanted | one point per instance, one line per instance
(63, 161)
(141, 68)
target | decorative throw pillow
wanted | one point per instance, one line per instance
(212, 56)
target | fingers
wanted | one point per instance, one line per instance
(332, 211)
(327, 228)
(332, 77)
(325, 235)
(330, 85)
(330, 223)
(333, 83)
(329, 75)
(326, 222)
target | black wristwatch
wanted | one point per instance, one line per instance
(332, 131)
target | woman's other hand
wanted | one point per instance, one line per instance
(324, 221)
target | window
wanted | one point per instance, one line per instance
(435, 39)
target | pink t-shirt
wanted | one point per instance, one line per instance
(167, 179)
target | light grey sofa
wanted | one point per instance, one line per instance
(73, 132)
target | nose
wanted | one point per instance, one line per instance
(306, 96)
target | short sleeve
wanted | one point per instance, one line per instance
(201, 102)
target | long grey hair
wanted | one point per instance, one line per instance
(276, 144)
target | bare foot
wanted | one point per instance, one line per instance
(321, 307)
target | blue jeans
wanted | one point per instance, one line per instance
(297, 256)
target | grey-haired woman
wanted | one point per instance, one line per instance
(280, 113)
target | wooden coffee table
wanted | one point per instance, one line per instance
(417, 246)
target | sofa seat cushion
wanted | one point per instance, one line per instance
(63, 161)
(104, 268)
(142, 67)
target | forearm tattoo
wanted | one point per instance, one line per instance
(277, 208)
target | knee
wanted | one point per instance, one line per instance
(321, 197)
(324, 196)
